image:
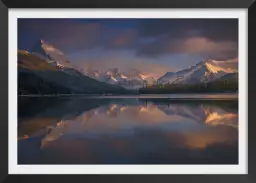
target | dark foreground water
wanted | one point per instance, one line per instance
(82, 130)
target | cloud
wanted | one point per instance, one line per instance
(215, 38)
(201, 44)
(65, 34)
(124, 40)
(213, 29)
(207, 47)
(193, 45)
(149, 38)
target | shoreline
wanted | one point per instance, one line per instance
(202, 96)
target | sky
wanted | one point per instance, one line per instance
(149, 45)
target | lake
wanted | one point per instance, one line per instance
(147, 129)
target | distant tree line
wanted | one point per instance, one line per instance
(217, 86)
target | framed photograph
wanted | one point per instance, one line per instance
(127, 91)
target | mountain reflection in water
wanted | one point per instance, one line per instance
(127, 131)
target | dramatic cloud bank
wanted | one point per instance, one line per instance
(153, 45)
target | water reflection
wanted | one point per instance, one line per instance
(128, 131)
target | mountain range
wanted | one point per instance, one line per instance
(132, 79)
(45, 69)
(202, 72)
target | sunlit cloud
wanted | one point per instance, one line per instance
(148, 41)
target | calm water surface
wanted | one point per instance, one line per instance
(130, 130)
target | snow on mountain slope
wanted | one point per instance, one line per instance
(54, 57)
(50, 53)
(206, 71)
(129, 80)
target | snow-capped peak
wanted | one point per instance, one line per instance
(54, 57)
(130, 79)
(201, 72)
(218, 66)
(212, 68)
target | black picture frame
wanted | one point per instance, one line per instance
(6, 178)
